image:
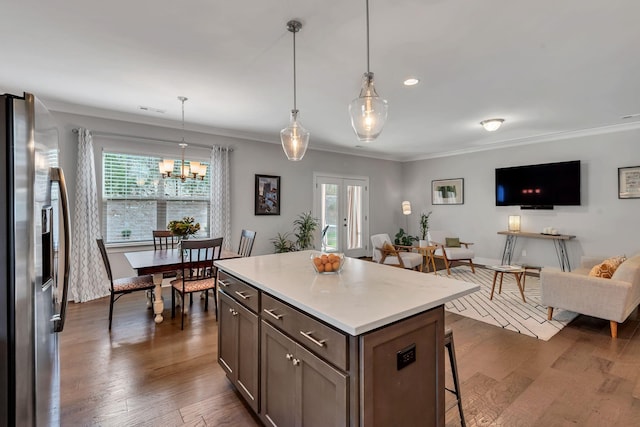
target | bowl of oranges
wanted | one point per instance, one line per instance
(327, 263)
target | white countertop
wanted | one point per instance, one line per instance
(363, 297)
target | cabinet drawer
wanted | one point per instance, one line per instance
(245, 294)
(311, 333)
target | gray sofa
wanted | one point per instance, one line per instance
(613, 299)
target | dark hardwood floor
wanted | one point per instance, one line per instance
(143, 374)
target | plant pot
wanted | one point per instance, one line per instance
(423, 243)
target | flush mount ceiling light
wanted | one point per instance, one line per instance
(368, 111)
(492, 125)
(411, 81)
(193, 170)
(294, 137)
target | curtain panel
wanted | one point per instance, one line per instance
(220, 221)
(88, 279)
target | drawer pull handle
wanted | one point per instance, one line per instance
(241, 295)
(223, 283)
(272, 314)
(308, 336)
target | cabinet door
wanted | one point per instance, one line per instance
(247, 353)
(321, 392)
(278, 378)
(227, 335)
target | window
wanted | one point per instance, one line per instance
(136, 199)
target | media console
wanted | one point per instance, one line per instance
(559, 241)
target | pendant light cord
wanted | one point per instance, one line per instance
(368, 70)
(295, 107)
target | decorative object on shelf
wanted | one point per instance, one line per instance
(294, 137)
(447, 191)
(368, 111)
(267, 195)
(330, 263)
(629, 182)
(424, 228)
(406, 207)
(514, 223)
(492, 125)
(184, 227)
(194, 170)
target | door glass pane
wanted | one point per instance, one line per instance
(354, 217)
(329, 217)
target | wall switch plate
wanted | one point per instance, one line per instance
(406, 356)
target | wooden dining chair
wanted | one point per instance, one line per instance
(164, 239)
(246, 242)
(125, 285)
(198, 273)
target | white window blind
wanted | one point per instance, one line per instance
(136, 199)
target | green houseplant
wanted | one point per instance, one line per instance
(184, 227)
(304, 227)
(404, 239)
(282, 244)
(424, 227)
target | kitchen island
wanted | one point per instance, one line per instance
(362, 347)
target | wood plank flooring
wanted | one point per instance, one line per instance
(157, 375)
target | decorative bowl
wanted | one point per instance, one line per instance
(327, 263)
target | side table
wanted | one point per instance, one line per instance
(427, 255)
(516, 270)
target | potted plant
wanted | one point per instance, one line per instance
(404, 239)
(184, 227)
(305, 225)
(281, 243)
(424, 228)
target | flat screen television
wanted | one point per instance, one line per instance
(539, 186)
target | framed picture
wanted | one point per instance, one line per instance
(629, 182)
(447, 191)
(267, 200)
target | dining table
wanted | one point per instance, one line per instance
(157, 262)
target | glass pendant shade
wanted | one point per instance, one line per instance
(368, 111)
(295, 138)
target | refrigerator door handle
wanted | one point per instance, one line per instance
(57, 175)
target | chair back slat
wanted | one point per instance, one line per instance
(105, 259)
(198, 257)
(247, 237)
(164, 239)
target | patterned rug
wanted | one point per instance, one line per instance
(507, 310)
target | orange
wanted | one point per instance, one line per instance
(320, 267)
(317, 261)
(328, 267)
(336, 265)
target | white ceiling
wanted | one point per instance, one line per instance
(549, 67)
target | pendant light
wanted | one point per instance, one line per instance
(294, 137)
(195, 170)
(368, 111)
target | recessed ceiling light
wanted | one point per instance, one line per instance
(491, 125)
(411, 81)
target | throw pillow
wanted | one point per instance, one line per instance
(452, 242)
(388, 246)
(607, 267)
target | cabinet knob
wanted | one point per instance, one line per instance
(289, 356)
(295, 362)
(233, 312)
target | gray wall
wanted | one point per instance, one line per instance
(248, 158)
(603, 224)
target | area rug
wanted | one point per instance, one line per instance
(507, 310)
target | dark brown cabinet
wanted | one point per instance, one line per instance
(298, 388)
(238, 347)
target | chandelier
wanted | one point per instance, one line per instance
(194, 170)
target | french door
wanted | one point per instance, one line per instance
(342, 206)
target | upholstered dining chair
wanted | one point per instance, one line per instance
(384, 252)
(247, 238)
(450, 248)
(125, 285)
(164, 239)
(198, 273)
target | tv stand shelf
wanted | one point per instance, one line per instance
(559, 241)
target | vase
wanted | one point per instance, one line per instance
(423, 243)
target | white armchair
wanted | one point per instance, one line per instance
(448, 253)
(384, 252)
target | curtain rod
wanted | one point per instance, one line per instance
(144, 138)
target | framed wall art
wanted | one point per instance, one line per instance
(267, 195)
(447, 191)
(629, 182)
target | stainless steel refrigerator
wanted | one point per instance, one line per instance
(34, 268)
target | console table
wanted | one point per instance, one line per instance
(559, 241)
